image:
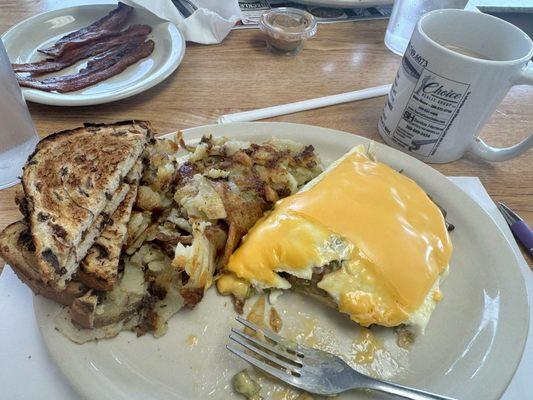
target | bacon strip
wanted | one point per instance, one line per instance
(84, 51)
(106, 26)
(99, 68)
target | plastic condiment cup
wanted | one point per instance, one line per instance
(286, 29)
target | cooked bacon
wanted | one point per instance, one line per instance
(106, 26)
(86, 50)
(99, 68)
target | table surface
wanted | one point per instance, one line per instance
(240, 74)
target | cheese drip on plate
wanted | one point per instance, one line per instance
(389, 237)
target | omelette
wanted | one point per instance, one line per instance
(361, 236)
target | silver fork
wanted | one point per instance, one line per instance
(309, 369)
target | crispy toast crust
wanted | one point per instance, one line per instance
(16, 251)
(83, 309)
(90, 125)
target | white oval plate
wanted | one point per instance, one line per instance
(470, 351)
(23, 40)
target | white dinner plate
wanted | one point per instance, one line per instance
(345, 3)
(471, 348)
(42, 30)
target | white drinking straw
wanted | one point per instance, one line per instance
(304, 105)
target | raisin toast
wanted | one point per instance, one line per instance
(68, 181)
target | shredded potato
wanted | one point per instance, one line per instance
(147, 199)
(195, 208)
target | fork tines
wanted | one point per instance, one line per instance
(278, 358)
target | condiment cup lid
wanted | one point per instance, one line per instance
(288, 23)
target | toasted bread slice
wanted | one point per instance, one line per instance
(99, 223)
(99, 268)
(68, 181)
(17, 249)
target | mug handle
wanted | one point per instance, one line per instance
(483, 150)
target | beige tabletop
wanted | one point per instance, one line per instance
(240, 74)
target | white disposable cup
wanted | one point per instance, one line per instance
(405, 15)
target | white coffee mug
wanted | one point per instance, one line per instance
(457, 68)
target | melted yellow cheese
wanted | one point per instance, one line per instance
(395, 242)
(230, 284)
(278, 241)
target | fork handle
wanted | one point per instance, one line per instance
(404, 391)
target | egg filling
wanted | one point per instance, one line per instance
(389, 238)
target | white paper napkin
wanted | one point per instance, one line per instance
(209, 24)
(28, 372)
(520, 387)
